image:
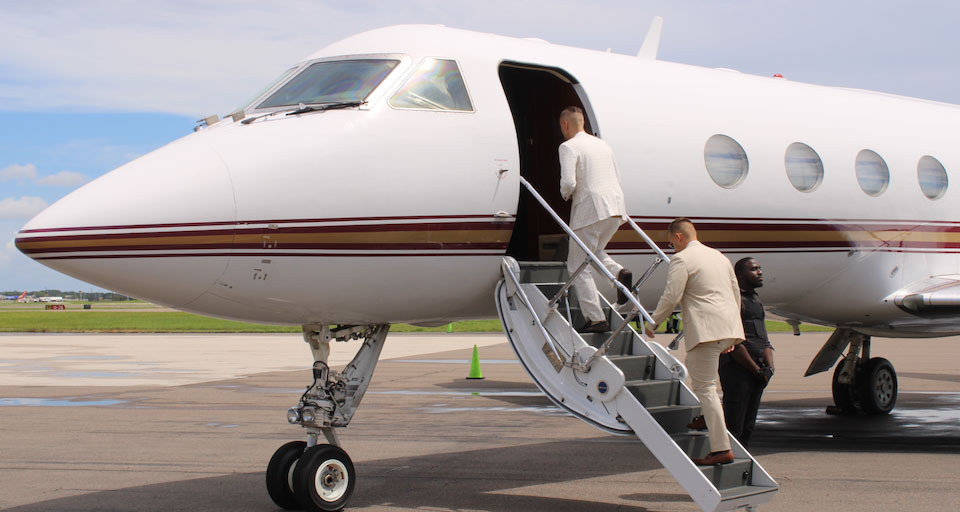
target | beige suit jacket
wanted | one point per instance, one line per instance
(589, 174)
(702, 281)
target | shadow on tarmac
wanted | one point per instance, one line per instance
(483, 479)
(930, 425)
(450, 481)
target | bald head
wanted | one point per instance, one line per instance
(571, 122)
(680, 233)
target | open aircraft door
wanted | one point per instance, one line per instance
(537, 95)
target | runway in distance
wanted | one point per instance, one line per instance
(378, 181)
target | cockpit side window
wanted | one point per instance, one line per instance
(436, 85)
(332, 82)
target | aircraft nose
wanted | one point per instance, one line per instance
(158, 228)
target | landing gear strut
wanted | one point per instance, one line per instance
(319, 477)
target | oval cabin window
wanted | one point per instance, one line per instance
(872, 173)
(804, 167)
(725, 160)
(932, 176)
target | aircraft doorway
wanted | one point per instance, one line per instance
(536, 96)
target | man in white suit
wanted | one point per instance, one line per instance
(702, 281)
(589, 176)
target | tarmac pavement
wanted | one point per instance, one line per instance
(151, 423)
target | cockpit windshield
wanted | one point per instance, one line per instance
(336, 81)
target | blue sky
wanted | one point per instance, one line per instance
(79, 98)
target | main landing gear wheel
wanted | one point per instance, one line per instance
(877, 383)
(323, 479)
(280, 474)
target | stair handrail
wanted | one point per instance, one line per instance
(653, 245)
(593, 257)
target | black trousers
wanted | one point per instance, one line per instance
(741, 400)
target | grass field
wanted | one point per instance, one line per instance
(176, 321)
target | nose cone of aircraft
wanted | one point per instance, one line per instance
(157, 228)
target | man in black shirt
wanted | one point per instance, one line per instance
(745, 372)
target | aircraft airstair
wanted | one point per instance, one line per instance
(617, 381)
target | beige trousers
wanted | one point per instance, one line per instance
(702, 362)
(595, 236)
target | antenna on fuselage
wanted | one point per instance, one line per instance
(648, 50)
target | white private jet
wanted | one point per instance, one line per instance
(399, 175)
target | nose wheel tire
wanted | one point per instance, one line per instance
(324, 478)
(280, 475)
(878, 386)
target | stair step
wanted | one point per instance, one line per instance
(543, 272)
(634, 367)
(744, 491)
(727, 476)
(622, 345)
(674, 418)
(579, 319)
(655, 393)
(550, 289)
(694, 443)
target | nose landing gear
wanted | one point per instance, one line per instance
(321, 477)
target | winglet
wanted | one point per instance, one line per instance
(648, 50)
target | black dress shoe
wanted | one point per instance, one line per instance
(714, 458)
(602, 326)
(625, 277)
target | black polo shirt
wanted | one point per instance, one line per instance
(754, 326)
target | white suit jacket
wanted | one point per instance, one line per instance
(589, 174)
(702, 281)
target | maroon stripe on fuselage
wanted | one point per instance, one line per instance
(247, 222)
(285, 246)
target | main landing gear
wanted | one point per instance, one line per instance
(320, 476)
(861, 384)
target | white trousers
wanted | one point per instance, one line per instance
(595, 236)
(702, 363)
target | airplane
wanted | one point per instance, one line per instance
(393, 176)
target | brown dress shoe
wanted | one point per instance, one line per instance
(625, 277)
(714, 458)
(698, 423)
(602, 326)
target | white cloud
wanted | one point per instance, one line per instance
(199, 57)
(8, 249)
(64, 179)
(184, 57)
(18, 172)
(23, 208)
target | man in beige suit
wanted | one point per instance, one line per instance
(590, 178)
(702, 281)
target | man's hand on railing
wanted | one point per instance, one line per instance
(648, 330)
